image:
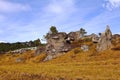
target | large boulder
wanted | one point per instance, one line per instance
(84, 48)
(74, 36)
(39, 50)
(105, 40)
(56, 43)
(94, 38)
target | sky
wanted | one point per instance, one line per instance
(25, 20)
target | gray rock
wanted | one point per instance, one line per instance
(49, 57)
(19, 60)
(56, 43)
(105, 40)
(22, 50)
(39, 50)
(95, 38)
(85, 48)
(73, 36)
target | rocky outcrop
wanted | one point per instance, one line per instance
(39, 50)
(84, 48)
(57, 43)
(94, 38)
(22, 50)
(116, 38)
(105, 40)
(74, 35)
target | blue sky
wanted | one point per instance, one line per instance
(24, 20)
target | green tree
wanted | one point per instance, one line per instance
(37, 42)
(53, 30)
(82, 32)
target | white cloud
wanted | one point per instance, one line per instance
(2, 41)
(60, 7)
(7, 6)
(111, 4)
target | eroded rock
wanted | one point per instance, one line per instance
(95, 38)
(56, 43)
(85, 48)
(105, 40)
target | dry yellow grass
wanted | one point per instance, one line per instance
(75, 65)
(95, 70)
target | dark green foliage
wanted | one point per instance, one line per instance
(37, 42)
(4, 47)
(53, 30)
(82, 32)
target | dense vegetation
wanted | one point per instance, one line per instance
(4, 47)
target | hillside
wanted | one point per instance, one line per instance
(75, 64)
(80, 66)
(66, 57)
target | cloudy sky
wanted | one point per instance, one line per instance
(24, 20)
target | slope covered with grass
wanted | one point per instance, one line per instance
(75, 64)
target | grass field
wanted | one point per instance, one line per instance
(80, 66)
(98, 70)
(74, 65)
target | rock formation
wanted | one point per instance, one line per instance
(39, 50)
(84, 48)
(22, 50)
(74, 35)
(95, 38)
(57, 43)
(105, 40)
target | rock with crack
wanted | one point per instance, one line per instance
(39, 50)
(73, 36)
(95, 38)
(56, 43)
(105, 40)
(84, 48)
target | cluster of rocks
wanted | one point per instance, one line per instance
(94, 38)
(59, 43)
(105, 40)
(22, 50)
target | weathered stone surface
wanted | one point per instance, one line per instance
(39, 50)
(74, 36)
(85, 48)
(51, 56)
(105, 40)
(95, 38)
(19, 60)
(56, 43)
(116, 38)
(22, 50)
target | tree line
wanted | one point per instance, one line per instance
(5, 47)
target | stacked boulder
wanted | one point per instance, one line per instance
(57, 44)
(95, 38)
(105, 40)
